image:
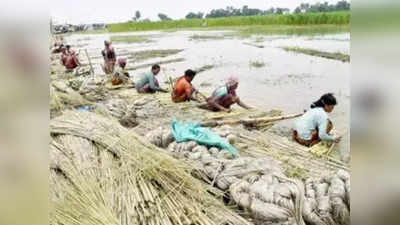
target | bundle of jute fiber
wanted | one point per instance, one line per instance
(93, 88)
(327, 199)
(257, 185)
(146, 186)
(65, 98)
(226, 132)
(76, 83)
(260, 186)
(160, 137)
(120, 110)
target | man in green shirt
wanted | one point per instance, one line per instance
(148, 83)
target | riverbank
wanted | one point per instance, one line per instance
(332, 18)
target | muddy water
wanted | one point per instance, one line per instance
(287, 81)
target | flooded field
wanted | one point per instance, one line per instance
(270, 77)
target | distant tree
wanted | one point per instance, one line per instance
(304, 7)
(342, 5)
(190, 15)
(323, 7)
(146, 20)
(137, 15)
(163, 17)
(200, 15)
(281, 10)
(193, 15)
(245, 10)
(218, 13)
(231, 11)
(270, 11)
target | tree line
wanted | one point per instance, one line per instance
(246, 11)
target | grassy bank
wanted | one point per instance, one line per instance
(333, 18)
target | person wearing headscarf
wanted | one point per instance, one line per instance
(314, 125)
(121, 75)
(109, 56)
(224, 97)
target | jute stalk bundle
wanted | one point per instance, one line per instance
(144, 185)
(249, 122)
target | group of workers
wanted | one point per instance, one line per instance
(69, 58)
(312, 127)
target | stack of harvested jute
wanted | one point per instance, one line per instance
(93, 88)
(63, 97)
(259, 185)
(101, 173)
(119, 109)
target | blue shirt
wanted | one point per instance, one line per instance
(147, 78)
(220, 92)
(312, 119)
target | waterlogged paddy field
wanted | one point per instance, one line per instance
(270, 77)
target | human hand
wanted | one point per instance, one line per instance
(338, 139)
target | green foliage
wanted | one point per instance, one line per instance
(335, 18)
(193, 15)
(163, 17)
(323, 7)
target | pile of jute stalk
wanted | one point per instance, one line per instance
(101, 173)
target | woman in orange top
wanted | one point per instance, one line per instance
(183, 89)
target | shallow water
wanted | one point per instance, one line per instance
(288, 81)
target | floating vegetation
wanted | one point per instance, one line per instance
(204, 68)
(148, 54)
(205, 84)
(257, 64)
(336, 56)
(198, 37)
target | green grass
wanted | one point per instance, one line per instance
(336, 56)
(131, 39)
(334, 18)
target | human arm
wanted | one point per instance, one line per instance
(322, 128)
(190, 92)
(153, 85)
(213, 101)
(242, 104)
(113, 55)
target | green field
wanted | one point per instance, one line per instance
(331, 18)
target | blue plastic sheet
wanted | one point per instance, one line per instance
(193, 131)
